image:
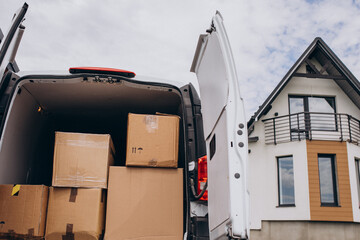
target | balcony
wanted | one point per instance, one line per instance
(312, 126)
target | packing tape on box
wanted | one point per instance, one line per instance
(4, 235)
(80, 179)
(31, 232)
(83, 143)
(73, 193)
(151, 123)
(153, 163)
(11, 234)
(69, 232)
(15, 190)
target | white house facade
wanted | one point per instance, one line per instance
(304, 153)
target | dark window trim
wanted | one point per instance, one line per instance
(302, 130)
(335, 118)
(357, 173)
(286, 205)
(334, 176)
(278, 181)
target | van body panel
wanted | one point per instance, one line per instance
(225, 132)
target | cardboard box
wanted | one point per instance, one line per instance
(23, 210)
(82, 160)
(152, 140)
(75, 213)
(144, 203)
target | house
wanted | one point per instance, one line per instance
(304, 153)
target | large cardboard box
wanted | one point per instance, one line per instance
(23, 210)
(144, 203)
(152, 140)
(82, 160)
(75, 213)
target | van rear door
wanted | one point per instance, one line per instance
(225, 133)
(10, 43)
(8, 67)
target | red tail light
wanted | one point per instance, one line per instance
(202, 177)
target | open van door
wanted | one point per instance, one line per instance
(10, 43)
(225, 133)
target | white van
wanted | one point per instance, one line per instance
(96, 100)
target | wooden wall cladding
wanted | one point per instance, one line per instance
(343, 212)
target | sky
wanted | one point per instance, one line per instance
(158, 38)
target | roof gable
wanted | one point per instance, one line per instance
(331, 68)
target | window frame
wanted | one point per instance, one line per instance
(299, 131)
(278, 181)
(307, 115)
(334, 178)
(357, 173)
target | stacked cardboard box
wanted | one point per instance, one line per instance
(152, 141)
(145, 198)
(23, 211)
(146, 202)
(80, 174)
(82, 160)
(75, 213)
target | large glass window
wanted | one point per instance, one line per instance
(357, 168)
(318, 106)
(327, 176)
(286, 181)
(316, 113)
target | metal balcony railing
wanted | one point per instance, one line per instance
(312, 126)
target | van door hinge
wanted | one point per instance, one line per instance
(212, 28)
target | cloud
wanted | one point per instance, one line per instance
(158, 38)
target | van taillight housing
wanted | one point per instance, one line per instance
(202, 177)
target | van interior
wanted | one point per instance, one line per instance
(39, 107)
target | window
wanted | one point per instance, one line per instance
(319, 121)
(297, 121)
(286, 181)
(327, 176)
(357, 168)
(316, 113)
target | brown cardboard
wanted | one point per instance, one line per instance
(152, 140)
(75, 213)
(144, 203)
(82, 160)
(23, 210)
